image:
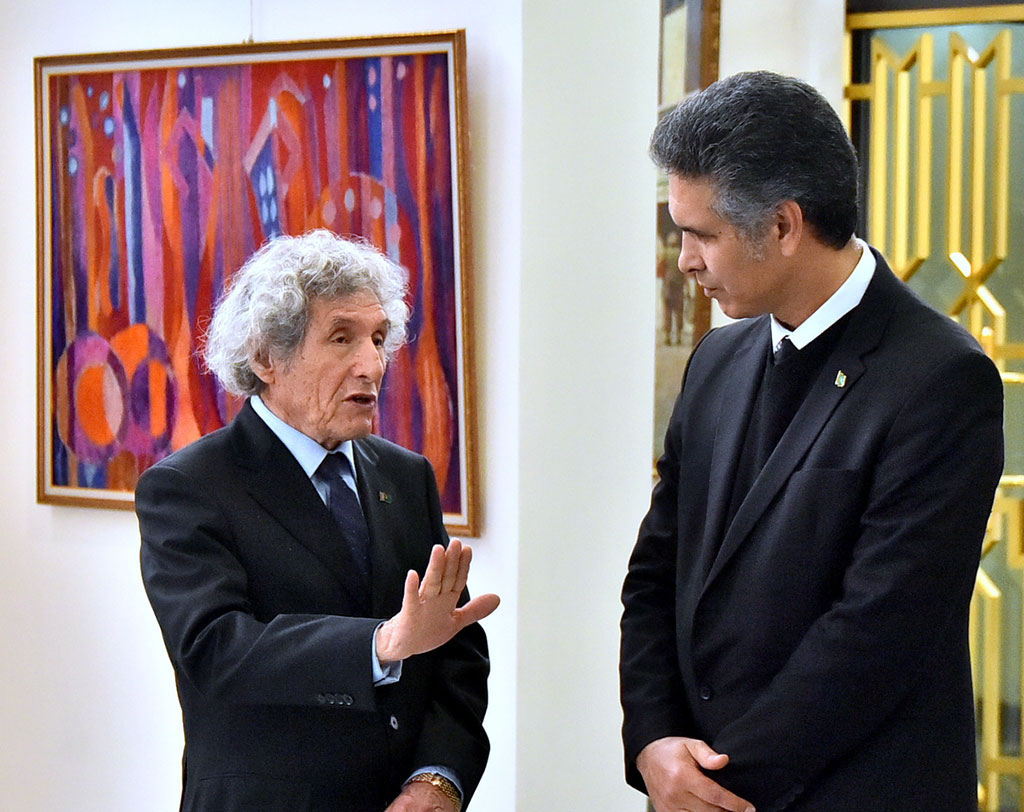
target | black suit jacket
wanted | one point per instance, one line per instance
(250, 581)
(820, 638)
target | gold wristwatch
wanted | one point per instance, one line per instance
(446, 787)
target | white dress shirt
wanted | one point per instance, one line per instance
(835, 307)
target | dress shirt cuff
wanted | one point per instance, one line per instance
(385, 675)
(443, 771)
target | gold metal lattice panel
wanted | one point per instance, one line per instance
(950, 176)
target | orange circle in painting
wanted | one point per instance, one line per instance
(131, 346)
(99, 405)
(89, 390)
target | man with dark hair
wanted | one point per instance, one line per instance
(796, 606)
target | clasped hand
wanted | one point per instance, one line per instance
(430, 615)
(673, 770)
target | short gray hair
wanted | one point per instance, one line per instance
(760, 139)
(264, 312)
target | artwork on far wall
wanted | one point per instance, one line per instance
(689, 61)
(160, 172)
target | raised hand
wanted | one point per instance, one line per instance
(430, 616)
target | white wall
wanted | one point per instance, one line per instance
(586, 388)
(801, 38)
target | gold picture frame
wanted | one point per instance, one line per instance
(159, 172)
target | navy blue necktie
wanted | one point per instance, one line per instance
(344, 507)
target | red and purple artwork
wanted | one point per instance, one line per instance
(161, 173)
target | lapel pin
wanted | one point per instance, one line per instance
(840, 379)
(384, 497)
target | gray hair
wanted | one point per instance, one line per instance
(264, 312)
(760, 139)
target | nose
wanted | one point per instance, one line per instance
(369, 361)
(690, 258)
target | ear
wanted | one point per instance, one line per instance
(789, 227)
(265, 369)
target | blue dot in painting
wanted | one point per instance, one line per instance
(273, 208)
(270, 179)
(263, 212)
(65, 116)
(89, 91)
(263, 185)
(327, 80)
(104, 100)
(108, 126)
(72, 165)
(182, 79)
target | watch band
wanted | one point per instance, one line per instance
(446, 787)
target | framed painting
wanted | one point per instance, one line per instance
(160, 172)
(689, 62)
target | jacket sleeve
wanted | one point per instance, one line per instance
(909, 580)
(650, 683)
(198, 588)
(453, 734)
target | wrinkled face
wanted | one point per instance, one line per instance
(744, 277)
(328, 388)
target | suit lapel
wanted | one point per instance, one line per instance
(744, 370)
(380, 497)
(861, 335)
(274, 478)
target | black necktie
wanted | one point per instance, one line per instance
(785, 352)
(785, 385)
(344, 507)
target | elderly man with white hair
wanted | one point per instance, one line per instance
(327, 655)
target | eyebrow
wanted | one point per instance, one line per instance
(697, 232)
(343, 322)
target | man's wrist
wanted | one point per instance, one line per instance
(384, 673)
(384, 644)
(444, 785)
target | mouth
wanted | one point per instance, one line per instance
(362, 400)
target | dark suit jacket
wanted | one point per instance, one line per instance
(820, 639)
(250, 581)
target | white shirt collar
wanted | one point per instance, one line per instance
(838, 304)
(307, 451)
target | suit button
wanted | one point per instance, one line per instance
(321, 699)
(394, 723)
(346, 699)
(706, 693)
(331, 699)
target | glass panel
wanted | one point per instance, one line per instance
(933, 112)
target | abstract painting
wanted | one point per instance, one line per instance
(160, 172)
